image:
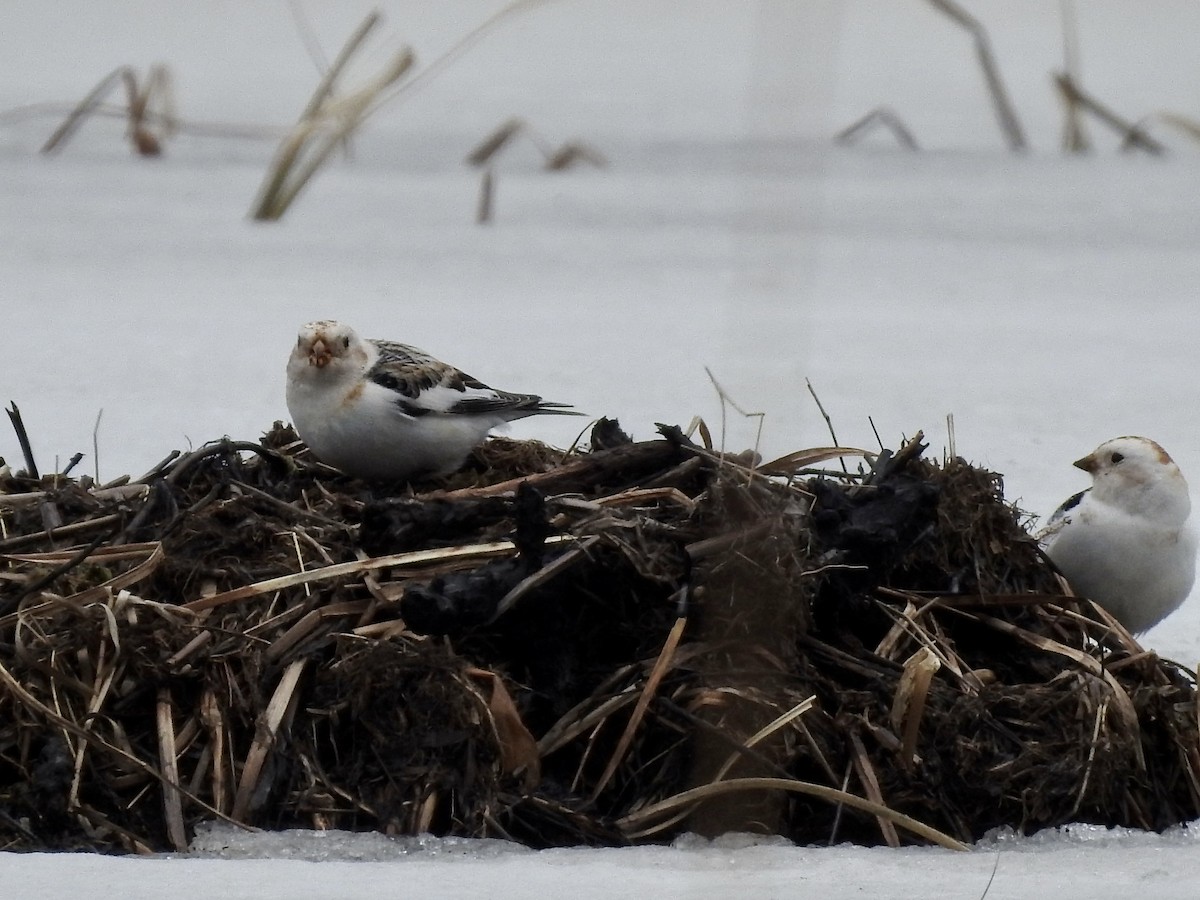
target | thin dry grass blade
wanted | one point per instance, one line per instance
(214, 722)
(399, 560)
(518, 750)
(264, 738)
(870, 782)
(1120, 697)
(766, 731)
(791, 463)
(575, 722)
(908, 705)
(833, 795)
(1088, 663)
(329, 78)
(544, 574)
(1101, 713)
(1131, 134)
(119, 492)
(26, 699)
(172, 802)
(662, 665)
(99, 554)
(495, 142)
(1010, 125)
(85, 107)
(1189, 126)
(106, 671)
(325, 123)
(880, 116)
(572, 153)
(294, 635)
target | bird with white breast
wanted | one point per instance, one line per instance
(1127, 542)
(387, 411)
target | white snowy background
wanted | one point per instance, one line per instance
(1047, 302)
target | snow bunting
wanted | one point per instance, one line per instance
(382, 410)
(1126, 541)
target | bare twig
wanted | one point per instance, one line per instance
(1075, 139)
(881, 116)
(18, 424)
(487, 192)
(138, 99)
(1132, 135)
(727, 399)
(85, 106)
(1010, 125)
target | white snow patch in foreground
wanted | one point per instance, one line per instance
(1076, 863)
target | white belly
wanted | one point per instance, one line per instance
(370, 437)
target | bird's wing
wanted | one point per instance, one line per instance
(1061, 516)
(424, 384)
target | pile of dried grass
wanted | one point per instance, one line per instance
(632, 641)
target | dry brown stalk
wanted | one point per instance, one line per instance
(106, 672)
(168, 762)
(792, 463)
(399, 560)
(1010, 125)
(324, 125)
(870, 783)
(662, 665)
(293, 636)
(518, 750)
(61, 531)
(909, 703)
(1132, 135)
(487, 194)
(264, 739)
(214, 721)
(571, 154)
(544, 574)
(139, 96)
(1186, 124)
(1101, 712)
(583, 718)
(766, 731)
(880, 116)
(1075, 139)
(696, 795)
(496, 141)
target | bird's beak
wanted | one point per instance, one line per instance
(319, 355)
(1089, 463)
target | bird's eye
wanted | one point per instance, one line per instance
(1116, 458)
(346, 342)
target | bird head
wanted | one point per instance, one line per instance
(1138, 476)
(328, 345)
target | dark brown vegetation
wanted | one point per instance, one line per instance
(590, 648)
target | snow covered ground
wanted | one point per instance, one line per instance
(1047, 302)
(1077, 863)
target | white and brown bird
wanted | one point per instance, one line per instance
(382, 410)
(1127, 541)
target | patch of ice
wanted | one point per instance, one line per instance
(1085, 835)
(735, 840)
(223, 841)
